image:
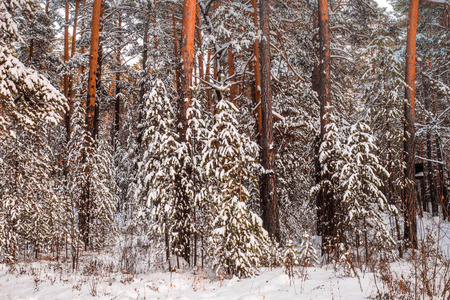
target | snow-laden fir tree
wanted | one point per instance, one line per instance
(382, 93)
(77, 177)
(307, 253)
(27, 97)
(363, 202)
(39, 40)
(103, 194)
(197, 133)
(31, 207)
(328, 187)
(354, 175)
(90, 170)
(156, 189)
(126, 160)
(290, 260)
(238, 242)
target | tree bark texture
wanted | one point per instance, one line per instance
(410, 206)
(231, 70)
(116, 130)
(187, 57)
(74, 42)
(30, 57)
(84, 214)
(66, 76)
(430, 169)
(269, 199)
(144, 74)
(325, 203)
(443, 197)
(176, 54)
(93, 60)
(257, 69)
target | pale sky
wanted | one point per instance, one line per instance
(384, 3)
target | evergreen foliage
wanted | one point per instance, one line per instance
(239, 244)
(156, 187)
(32, 207)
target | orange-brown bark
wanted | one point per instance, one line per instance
(199, 45)
(74, 42)
(410, 231)
(183, 212)
(83, 50)
(187, 57)
(93, 60)
(74, 33)
(257, 69)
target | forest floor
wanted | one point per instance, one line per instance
(41, 281)
(98, 277)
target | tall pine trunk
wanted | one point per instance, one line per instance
(430, 169)
(66, 75)
(269, 199)
(410, 206)
(93, 62)
(257, 68)
(144, 74)
(187, 57)
(74, 42)
(116, 125)
(326, 209)
(84, 214)
(444, 200)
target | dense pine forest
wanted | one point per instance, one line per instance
(234, 136)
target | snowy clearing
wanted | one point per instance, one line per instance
(38, 283)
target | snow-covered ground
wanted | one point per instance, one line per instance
(99, 277)
(38, 282)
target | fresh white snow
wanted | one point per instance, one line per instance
(39, 282)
